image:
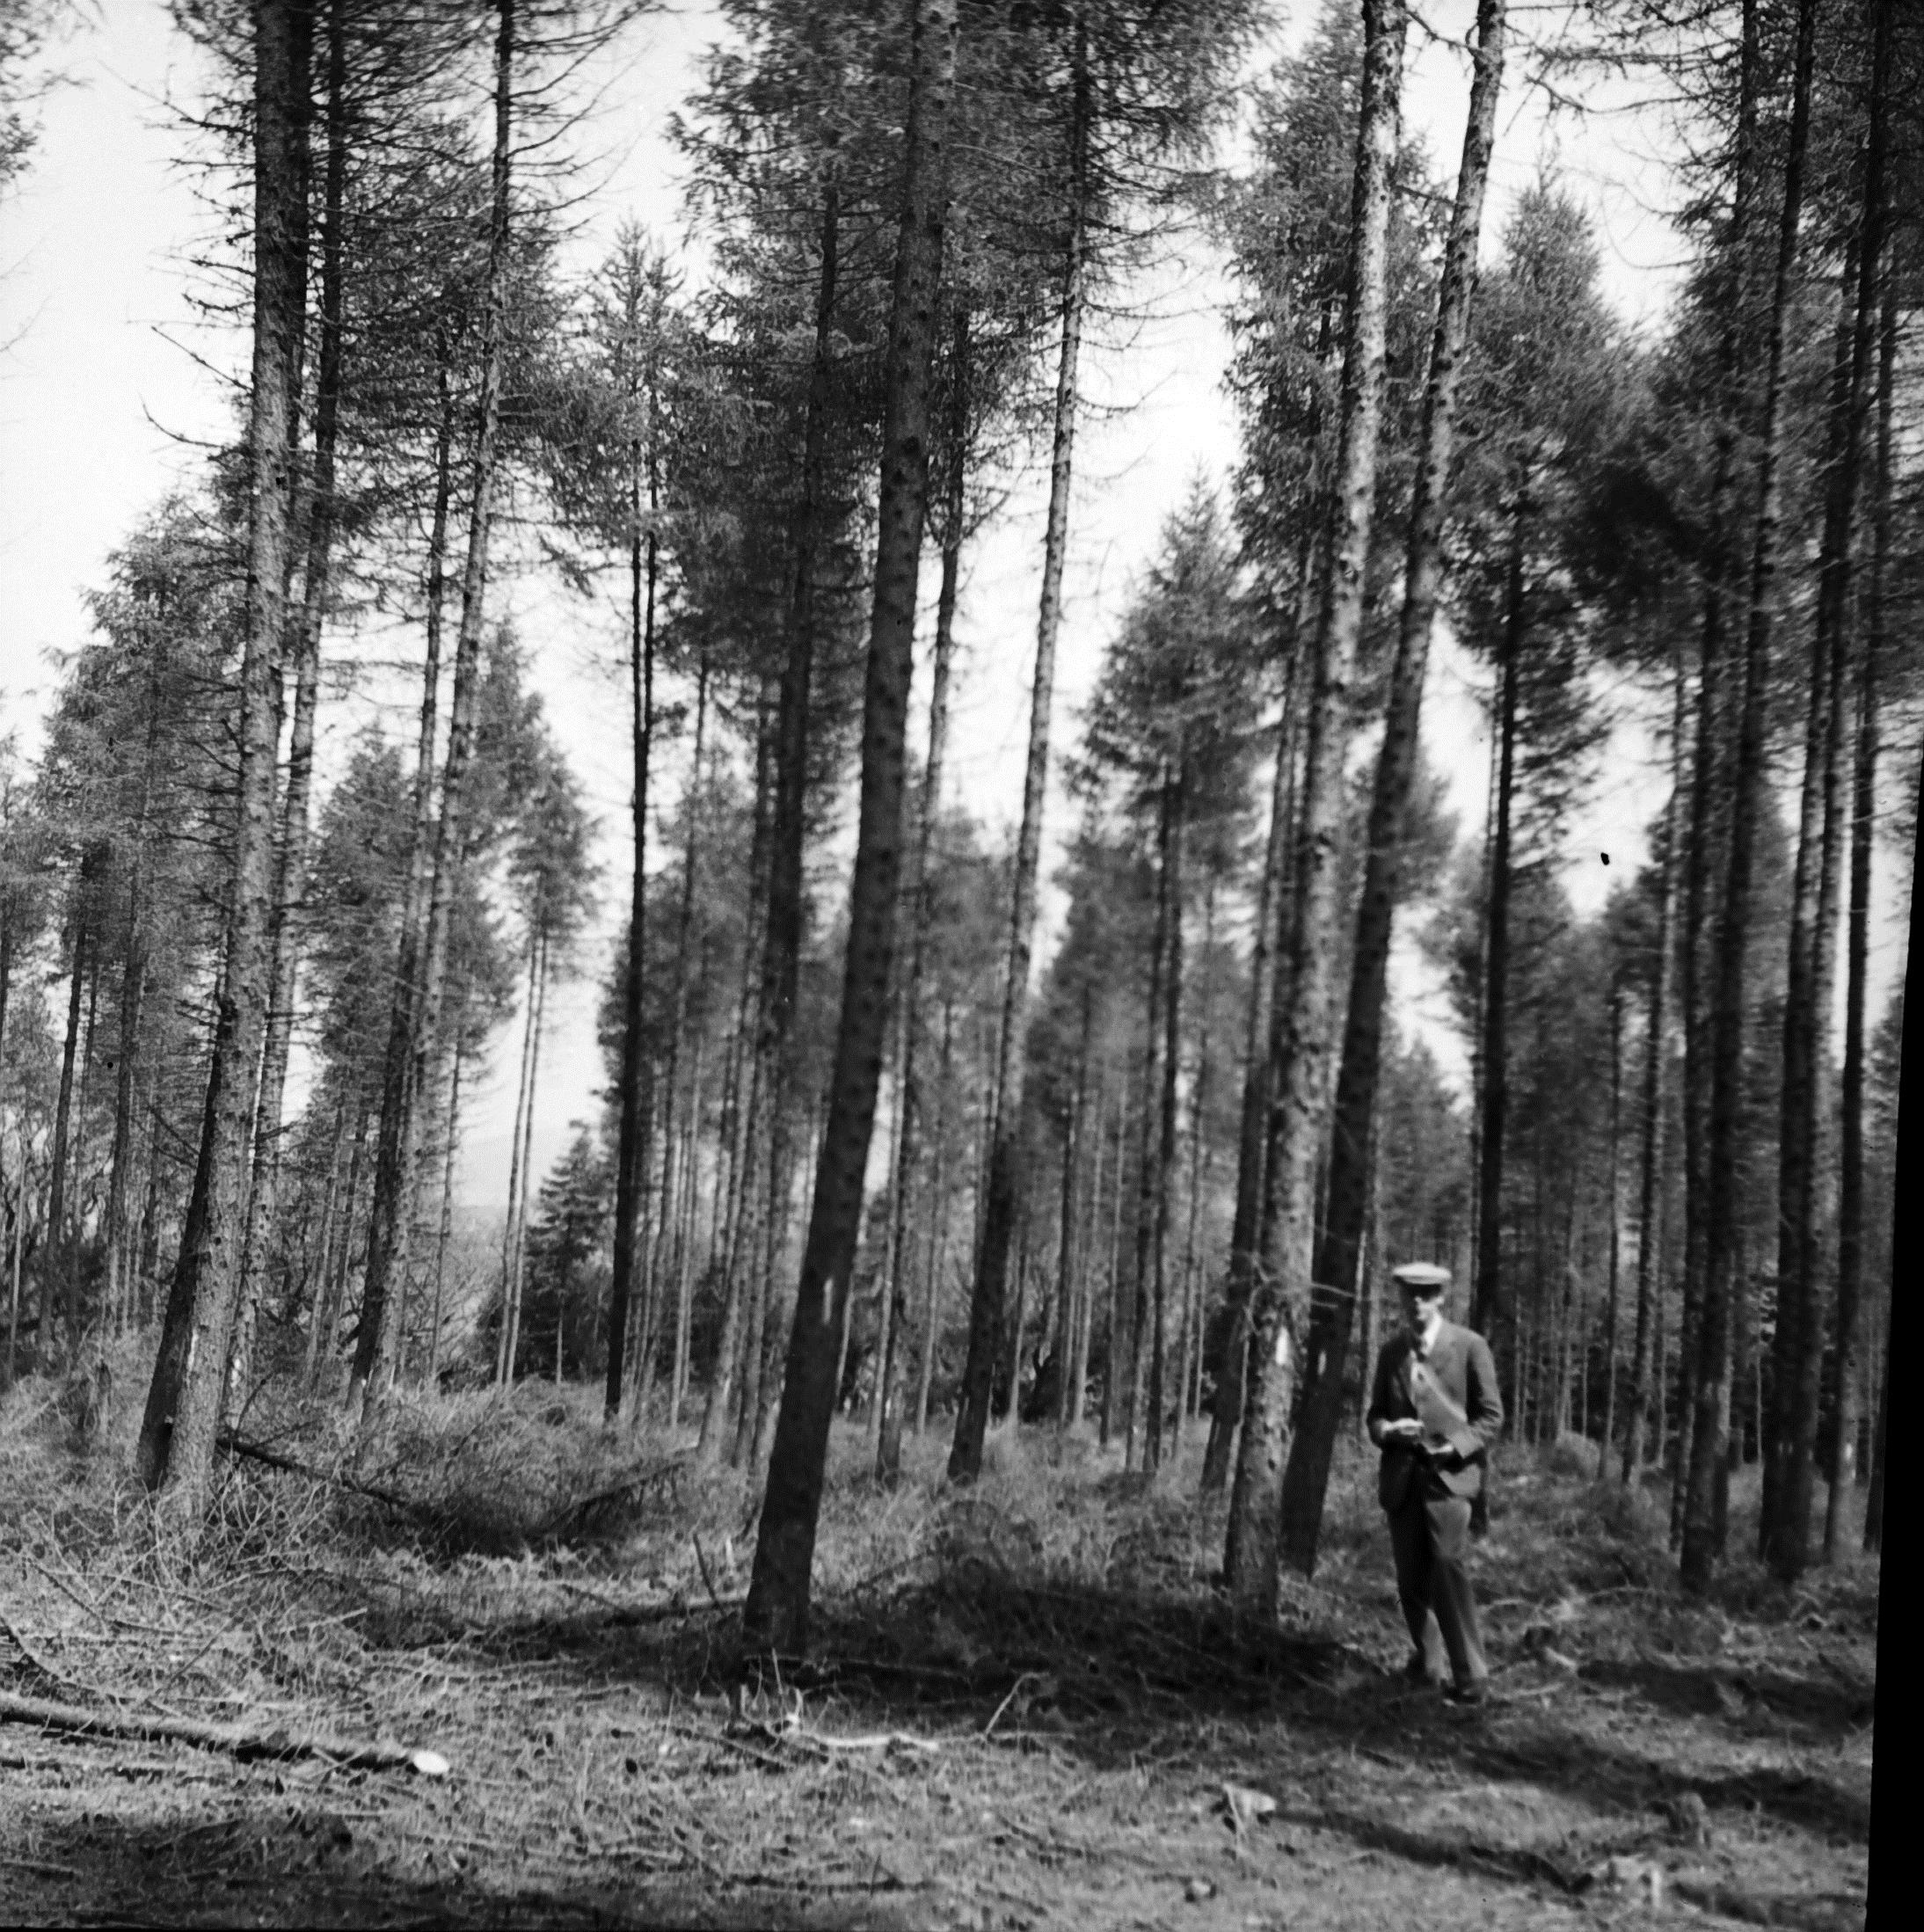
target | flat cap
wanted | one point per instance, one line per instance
(1425, 1277)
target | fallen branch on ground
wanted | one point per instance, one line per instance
(359, 1755)
(255, 1452)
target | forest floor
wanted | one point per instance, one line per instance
(1025, 1705)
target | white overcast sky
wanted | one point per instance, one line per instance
(112, 384)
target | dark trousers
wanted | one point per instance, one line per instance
(1430, 1537)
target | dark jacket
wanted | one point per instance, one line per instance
(1452, 1393)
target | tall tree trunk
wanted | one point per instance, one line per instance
(938, 1220)
(133, 996)
(19, 1218)
(782, 943)
(1171, 895)
(1187, 1366)
(637, 1097)
(678, 1153)
(57, 1269)
(1706, 851)
(1066, 1252)
(740, 1111)
(1711, 1415)
(446, 1230)
(1300, 1085)
(334, 1286)
(1004, 1199)
(263, 1206)
(919, 895)
(1142, 1291)
(684, 1259)
(511, 1228)
(1645, 1373)
(1807, 1005)
(1231, 1355)
(1610, 1322)
(518, 1268)
(1068, 1268)
(755, 1336)
(1305, 1479)
(1850, 1204)
(776, 1615)
(1493, 1305)
(1086, 1322)
(175, 1452)
(83, 1109)
(413, 1043)
(1111, 1321)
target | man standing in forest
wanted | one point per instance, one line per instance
(1433, 1411)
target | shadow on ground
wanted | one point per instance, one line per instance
(280, 1865)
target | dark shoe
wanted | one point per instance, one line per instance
(1417, 1671)
(1475, 1692)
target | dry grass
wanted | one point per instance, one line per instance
(1055, 1632)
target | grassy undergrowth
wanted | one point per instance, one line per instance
(554, 1607)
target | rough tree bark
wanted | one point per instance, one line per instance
(1003, 1193)
(1850, 1203)
(1337, 1273)
(674, 1153)
(921, 900)
(1799, 1342)
(396, 1158)
(175, 1452)
(1650, 1148)
(1703, 850)
(1301, 1084)
(1169, 910)
(636, 1096)
(1492, 1304)
(776, 1615)
(1711, 1394)
(291, 861)
(1231, 1350)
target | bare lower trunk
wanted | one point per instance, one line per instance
(511, 1228)
(1336, 1272)
(938, 1231)
(1300, 1086)
(518, 1260)
(776, 1615)
(921, 900)
(1231, 1355)
(1171, 894)
(1617, 1226)
(1493, 1304)
(175, 1452)
(1710, 1409)
(1142, 1297)
(635, 1095)
(1808, 1000)
(57, 1294)
(1850, 1205)
(1004, 1199)
(1645, 1373)
(398, 1154)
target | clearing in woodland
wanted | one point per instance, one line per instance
(1025, 1703)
